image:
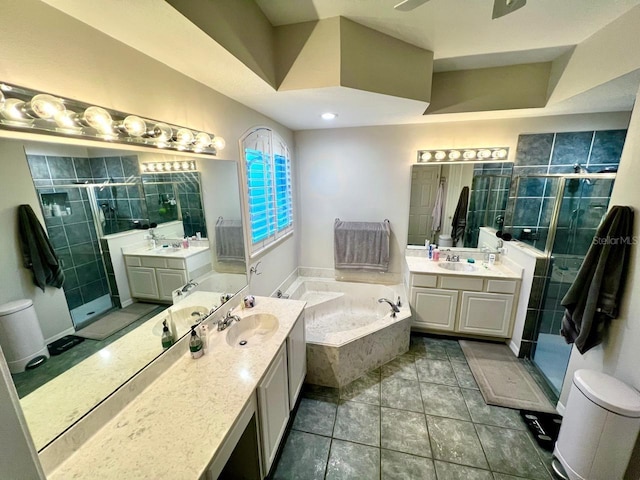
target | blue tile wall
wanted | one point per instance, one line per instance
(557, 153)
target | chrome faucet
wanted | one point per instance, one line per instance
(225, 322)
(188, 286)
(394, 308)
(279, 294)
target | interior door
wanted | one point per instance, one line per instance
(424, 187)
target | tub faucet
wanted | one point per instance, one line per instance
(394, 307)
(188, 286)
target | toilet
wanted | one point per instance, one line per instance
(445, 240)
(21, 337)
(600, 427)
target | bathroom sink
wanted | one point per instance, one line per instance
(458, 267)
(182, 317)
(252, 330)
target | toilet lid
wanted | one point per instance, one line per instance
(608, 392)
(15, 306)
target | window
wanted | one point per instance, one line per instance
(268, 194)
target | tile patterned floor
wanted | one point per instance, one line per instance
(420, 416)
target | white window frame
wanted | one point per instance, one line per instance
(270, 143)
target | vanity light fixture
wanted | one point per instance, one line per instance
(167, 167)
(23, 109)
(464, 155)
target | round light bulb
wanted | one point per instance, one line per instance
(44, 106)
(1, 99)
(454, 155)
(440, 155)
(184, 136)
(484, 153)
(160, 167)
(500, 153)
(426, 156)
(469, 154)
(203, 140)
(134, 126)
(176, 165)
(219, 143)
(12, 109)
(152, 167)
(162, 132)
(98, 118)
(144, 167)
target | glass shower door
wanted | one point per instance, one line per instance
(583, 204)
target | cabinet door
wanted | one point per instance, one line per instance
(273, 404)
(486, 314)
(169, 280)
(142, 282)
(297, 360)
(434, 308)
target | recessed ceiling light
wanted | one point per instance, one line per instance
(328, 116)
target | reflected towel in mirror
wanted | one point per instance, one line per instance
(229, 240)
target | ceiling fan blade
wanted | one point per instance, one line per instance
(408, 5)
(504, 7)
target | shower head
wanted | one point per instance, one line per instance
(577, 168)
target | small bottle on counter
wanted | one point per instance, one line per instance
(204, 337)
(167, 338)
(195, 344)
(436, 255)
(185, 242)
(492, 259)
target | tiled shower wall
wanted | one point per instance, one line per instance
(73, 236)
(556, 153)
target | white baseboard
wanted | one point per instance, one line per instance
(57, 336)
(560, 408)
(514, 348)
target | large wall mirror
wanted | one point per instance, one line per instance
(488, 186)
(97, 205)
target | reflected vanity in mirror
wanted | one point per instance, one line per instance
(100, 208)
(488, 184)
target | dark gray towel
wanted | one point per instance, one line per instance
(37, 252)
(361, 245)
(593, 299)
(459, 222)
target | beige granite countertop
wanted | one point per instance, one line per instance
(50, 409)
(169, 252)
(419, 264)
(174, 428)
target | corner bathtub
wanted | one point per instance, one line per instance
(349, 333)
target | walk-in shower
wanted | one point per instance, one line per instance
(559, 215)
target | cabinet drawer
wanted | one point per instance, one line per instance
(176, 263)
(462, 283)
(501, 286)
(132, 261)
(428, 281)
(154, 262)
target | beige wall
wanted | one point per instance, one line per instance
(364, 174)
(17, 188)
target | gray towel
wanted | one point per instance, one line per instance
(361, 245)
(229, 240)
(593, 299)
(37, 251)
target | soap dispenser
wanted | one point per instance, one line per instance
(195, 344)
(167, 338)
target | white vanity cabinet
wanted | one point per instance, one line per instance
(273, 407)
(297, 360)
(466, 304)
(156, 277)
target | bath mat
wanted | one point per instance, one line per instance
(63, 344)
(115, 321)
(502, 379)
